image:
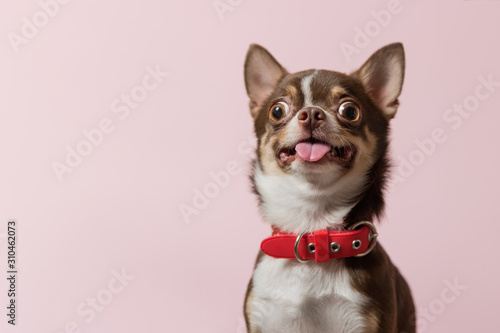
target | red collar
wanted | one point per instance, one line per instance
(322, 245)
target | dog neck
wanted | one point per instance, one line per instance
(294, 204)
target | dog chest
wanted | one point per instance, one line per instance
(288, 296)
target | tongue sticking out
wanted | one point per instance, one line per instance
(312, 152)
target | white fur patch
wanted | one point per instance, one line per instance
(305, 84)
(308, 298)
(293, 204)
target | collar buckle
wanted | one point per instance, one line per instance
(296, 248)
(357, 240)
(372, 236)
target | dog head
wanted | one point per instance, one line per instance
(322, 135)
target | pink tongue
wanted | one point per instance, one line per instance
(312, 151)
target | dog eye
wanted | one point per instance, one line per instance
(349, 111)
(278, 111)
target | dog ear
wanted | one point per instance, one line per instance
(382, 76)
(262, 74)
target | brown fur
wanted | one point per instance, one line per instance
(391, 309)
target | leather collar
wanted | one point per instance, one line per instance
(322, 245)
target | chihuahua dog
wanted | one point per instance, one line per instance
(319, 174)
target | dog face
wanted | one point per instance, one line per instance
(322, 125)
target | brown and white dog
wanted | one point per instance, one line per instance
(321, 167)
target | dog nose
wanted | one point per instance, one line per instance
(311, 117)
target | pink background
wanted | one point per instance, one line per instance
(120, 208)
